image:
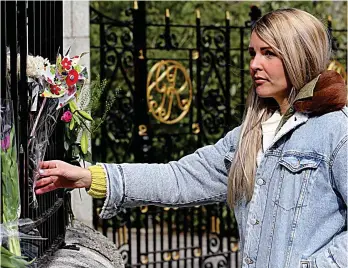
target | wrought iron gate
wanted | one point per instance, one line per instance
(34, 28)
(203, 102)
(211, 88)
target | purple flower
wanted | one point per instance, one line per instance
(5, 143)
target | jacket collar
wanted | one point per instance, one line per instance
(325, 93)
(293, 122)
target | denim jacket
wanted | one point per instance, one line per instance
(297, 216)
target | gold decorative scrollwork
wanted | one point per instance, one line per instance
(195, 128)
(218, 221)
(142, 130)
(144, 209)
(197, 252)
(338, 67)
(228, 15)
(141, 54)
(169, 91)
(234, 246)
(198, 14)
(144, 259)
(122, 235)
(195, 55)
(175, 255)
(167, 256)
(213, 227)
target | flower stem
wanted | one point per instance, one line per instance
(37, 120)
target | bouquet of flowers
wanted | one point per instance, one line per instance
(57, 91)
(53, 86)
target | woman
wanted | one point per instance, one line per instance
(284, 170)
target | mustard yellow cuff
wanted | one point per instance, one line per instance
(98, 186)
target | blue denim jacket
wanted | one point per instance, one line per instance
(298, 213)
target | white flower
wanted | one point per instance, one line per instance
(35, 65)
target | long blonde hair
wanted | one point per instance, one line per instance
(301, 41)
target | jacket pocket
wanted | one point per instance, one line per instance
(296, 169)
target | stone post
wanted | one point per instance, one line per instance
(76, 35)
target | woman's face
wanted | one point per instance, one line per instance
(267, 71)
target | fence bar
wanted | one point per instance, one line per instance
(23, 105)
(241, 66)
(228, 116)
(3, 50)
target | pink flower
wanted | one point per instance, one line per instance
(66, 117)
(5, 143)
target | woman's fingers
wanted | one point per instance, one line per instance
(48, 188)
(47, 184)
(48, 164)
(50, 172)
(45, 181)
(58, 174)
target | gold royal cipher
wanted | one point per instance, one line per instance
(169, 91)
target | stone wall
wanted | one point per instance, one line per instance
(76, 35)
(84, 248)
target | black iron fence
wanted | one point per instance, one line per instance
(212, 65)
(34, 28)
(204, 101)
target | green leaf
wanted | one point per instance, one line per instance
(85, 115)
(72, 106)
(72, 123)
(77, 119)
(84, 142)
(10, 260)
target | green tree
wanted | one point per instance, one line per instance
(184, 12)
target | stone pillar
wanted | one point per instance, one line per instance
(76, 34)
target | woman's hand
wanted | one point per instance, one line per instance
(58, 174)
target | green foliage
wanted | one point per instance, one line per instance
(213, 12)
(83, 122)
(97, 90)
(10, 260)
(10, 192)
(184, 13)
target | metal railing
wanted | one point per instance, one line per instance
(34, 28)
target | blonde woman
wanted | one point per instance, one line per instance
(283, 171)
